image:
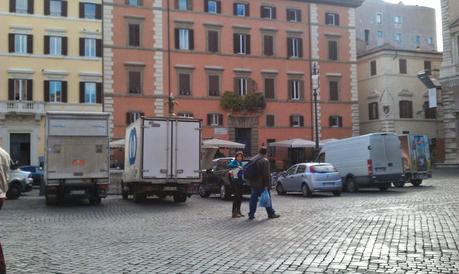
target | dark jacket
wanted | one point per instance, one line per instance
(264, 173)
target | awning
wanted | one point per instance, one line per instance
(293, 143)
(222, 143)
(117, 144)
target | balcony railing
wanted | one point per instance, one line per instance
(22, 107)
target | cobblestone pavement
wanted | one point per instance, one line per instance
(404, 230)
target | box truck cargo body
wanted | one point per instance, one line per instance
(162, 158)
(372, 160)
(77, 156)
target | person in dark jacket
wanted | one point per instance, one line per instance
(260, 184)
(5, 161)
(237, 183)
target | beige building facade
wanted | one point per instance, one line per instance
(51, 60)
(393, 99)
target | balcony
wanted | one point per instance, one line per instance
(22, 108)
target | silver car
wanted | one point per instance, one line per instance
(308, 178)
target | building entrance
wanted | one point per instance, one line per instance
(244, 136)
(20, 148)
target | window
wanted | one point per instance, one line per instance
(241, 9)
(429, 113)
(90, 93)
(373, 68)
(134, 34)
(135, 80)
(380, 34)
(397, 19)
(90, 47)
(268, 12)
(332, 50)
(373, 111)
(402, 66)
(184, 39)
(269, 88)
(295, 88)
(134, 3)
(430, 40)
(295, 47)
(22, 6)
(241, 43)
(379, 18)
(270, 120)
(20, 90)
(367, 36)
(183, 5)
(336, 121)
(212, 6)
(55, 45)
(133, 116)
(90, 11)
(215, 119)
(398, 37)
(20, 43)
(293, 15)
(333, 90)
(55, 7)
(55, 91)
(428, 66)
(296, 121)
(214, 85)
(301, 169)
(213, 41)
(418, 39)
(332, 19)
(406, 109)
(241, 87)
(184, 84)
(268, 45)
(186, 115)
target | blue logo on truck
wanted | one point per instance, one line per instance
(132, 153)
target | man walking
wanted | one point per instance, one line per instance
(4, 168)
(261, 183)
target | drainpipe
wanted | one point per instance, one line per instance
(310, 68)
(170, 101)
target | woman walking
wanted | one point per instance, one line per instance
(237, 183)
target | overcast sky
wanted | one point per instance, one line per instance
(428, 3)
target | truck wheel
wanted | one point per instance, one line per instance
(179, 198)
(417, 182)
(124, 193)
(203, 192)
(399, 184)
(224, 192)
(139, 197)
(306, 191)
(351, 185)
(14, 192)
(95, 200)
(50, 201)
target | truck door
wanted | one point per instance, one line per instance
(187, 149)
(393, 154)
(156, 148)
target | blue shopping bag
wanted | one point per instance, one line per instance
(265, 199)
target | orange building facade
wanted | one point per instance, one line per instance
(198, 50)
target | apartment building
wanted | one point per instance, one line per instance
(51, 60)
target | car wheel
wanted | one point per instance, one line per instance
(416, 182)
(124, 193)
(13, 193)
(179, 198)
(399, 184)
(351, 185)
(139, 197)
(384, 188)
(337, 193)
(305, 190)
(280, 189)
(202, 191)
(224, 192)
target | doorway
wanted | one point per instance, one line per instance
(20, 148)
(244, 136)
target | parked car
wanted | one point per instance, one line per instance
(309, 178)
(19, 182)
(217, 179)
(37, 173)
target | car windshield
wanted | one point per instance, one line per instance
(324, 168)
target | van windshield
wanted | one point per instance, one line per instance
(324, 168)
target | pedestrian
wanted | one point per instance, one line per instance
(260, 183)
(237, 183)
(4, 168)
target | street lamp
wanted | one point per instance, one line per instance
(315, 87)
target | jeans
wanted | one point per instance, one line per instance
(237, 199)
(254, 194)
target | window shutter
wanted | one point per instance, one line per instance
(327, 19)
(11, 42)
(82, 46)
(82, 92)
(29, 44)
(289, 15)
(81, 10)
(219, 7)
(206, 5)
(299, 15)
(46, 91)
(209, 119)
(64, 91)
(10, 89)
(301, 90)
(128, 118)
(12, 6)
(262, 12)
(220, 119)
(337, 19)
(289, 47)
(190, 4)
(330, 121)
(30, 6)
(64, 8)
(214, 85)
(247, 44)
(99, 93)
(274, 12)
(234, 8)
(268, 45)
(98, 11)
(291, 120)
(236, 43)
(251, 85)
(177, 39)
(29, 90)
(99, 47)
(46, 11)
(213, 41)
(301, 121)
(269, 88)
(46, 47)
(64, 46)
(300, 47)
(191, 39)
(247, 10)
(340, 121)
(290, 89)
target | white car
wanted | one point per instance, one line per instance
(19, 182)
(308, 178)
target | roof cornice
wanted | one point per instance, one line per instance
(344, 3)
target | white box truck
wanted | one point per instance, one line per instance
(417, 164)
(373, 160)
(77, 158)
(162, 158)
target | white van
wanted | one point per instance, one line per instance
(373, 160)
